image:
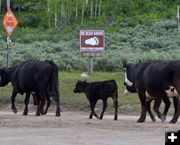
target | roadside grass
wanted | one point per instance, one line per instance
(71, 101)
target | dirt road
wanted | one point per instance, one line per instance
(74, 128)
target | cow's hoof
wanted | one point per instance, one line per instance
(140, 120)
(173, 121)
(153, 119)
(25, 113)
(115, 118)
(163, 118)
(38, 114)
(15, 111)
(42, 113)
(90, 116)
(98, 117)
(45, 112)
(58, 113)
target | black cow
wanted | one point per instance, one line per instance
(133, 76)
(162, 79)
(156, 80)
(32, 76)
(99, 90)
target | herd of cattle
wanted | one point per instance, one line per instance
(151, 80)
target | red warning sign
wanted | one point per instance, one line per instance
(10, 22)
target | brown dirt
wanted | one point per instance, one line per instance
(74, 128)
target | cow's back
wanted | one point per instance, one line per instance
(140, 77)
(102, 88)
(31, 75)
(159, 76)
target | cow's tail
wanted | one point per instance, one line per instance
(55, 87)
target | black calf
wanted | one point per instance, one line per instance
(99, 90)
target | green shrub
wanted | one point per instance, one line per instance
(152, 40)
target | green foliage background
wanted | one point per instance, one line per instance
(135, 29)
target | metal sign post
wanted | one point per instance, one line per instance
(177, 18)
(8, 4)
(10, 22)
(92, 43)
(8, 38)
(90, 65)
(8, 49)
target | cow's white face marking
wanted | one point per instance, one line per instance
(171, 92)
(128, 82)
(126, 92)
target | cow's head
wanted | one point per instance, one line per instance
(129, 77)
(80, 87)
(3, 78)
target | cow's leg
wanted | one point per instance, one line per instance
(13, 96)
(57, 102)
(26, 102)
(42, 96)
(104, 108)
(115, 100)
(176, 109)
(149, 110)
(167, 105)
(56, 97)
(143, 107)
(91, 114)
(48, 103)
(116, 110)
(34, 98)
(43, 100)
(157, 103)
(38, 98)
(92, 106)
(42, 103)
